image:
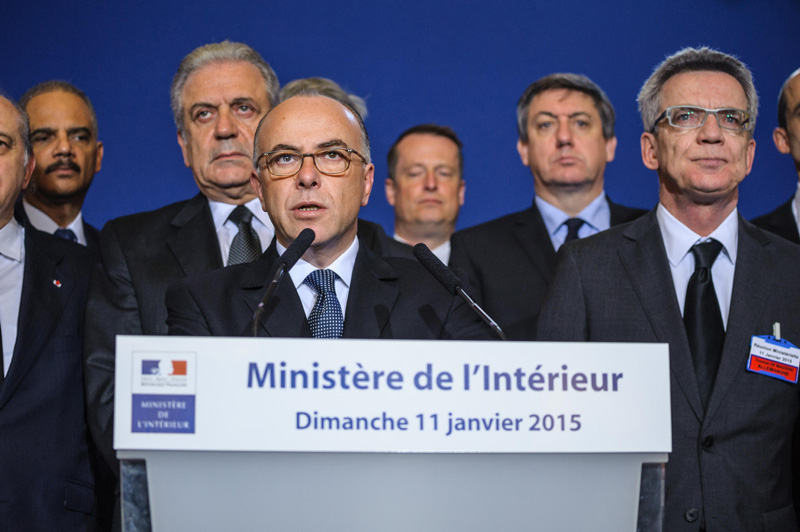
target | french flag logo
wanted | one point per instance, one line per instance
(164, 367)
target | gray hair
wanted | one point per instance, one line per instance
(570, 82)
(23, 126)
(61, 86)
(308, 92)
(222, 52)
(694, 60)
(327, 87)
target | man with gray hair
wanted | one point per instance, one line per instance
(45, 453)
(565, 124)
(68, 154)
(218, 96)
(694, 274)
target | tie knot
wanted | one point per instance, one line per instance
(66, 234)
(323, 281)
(706, 253)
(573, 226)
(241, 215)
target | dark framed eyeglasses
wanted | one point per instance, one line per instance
(691, 117)
(287, 163)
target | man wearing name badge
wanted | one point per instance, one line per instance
(218, 95)
(565, 124)
(46, 477)
(694, 274)
(785, 220)
(68, 154)
(426, 188)
(313, 170)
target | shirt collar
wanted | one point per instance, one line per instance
(220, 212)
(41, 221)
(679, 239)
(342, 266)
(12, 240)
(597, 214)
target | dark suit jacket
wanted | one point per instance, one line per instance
(46, 480)
(732, 462)
(780, 222)
(389, 298)
(510, 261)
(142, 254)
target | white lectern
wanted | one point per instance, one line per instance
(368, 435)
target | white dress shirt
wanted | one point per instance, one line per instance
(342, 266)
(41, 221)
(678, 241)
(226, 229)
(442, 251)
(596, 217)
(12, 271)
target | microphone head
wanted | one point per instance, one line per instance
(297, 248)
(437, 268)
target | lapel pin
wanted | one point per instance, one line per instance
(57, 283)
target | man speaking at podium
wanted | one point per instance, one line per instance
(313, 170)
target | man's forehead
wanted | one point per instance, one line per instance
(54, 103)
(224, 81)
(548, 99)
(704, 86)
(418, 144)
(308, 121)
(9, 119)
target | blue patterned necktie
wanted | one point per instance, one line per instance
(325, 320)
(66, 234)
(245, 246)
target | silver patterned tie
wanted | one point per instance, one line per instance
(325, 320)
(245, 246)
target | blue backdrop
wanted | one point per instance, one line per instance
(463, 64)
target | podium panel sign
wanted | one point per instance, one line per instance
(274, 394)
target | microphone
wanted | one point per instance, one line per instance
(452, 283)
(289, 258)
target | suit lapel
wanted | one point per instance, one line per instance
(530, 231)
(748, 299)
(193, 242)
(41, 307)
(372, 296)
(283, 315)
(646, 265)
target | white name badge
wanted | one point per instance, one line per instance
(775, 358)
(277, 394)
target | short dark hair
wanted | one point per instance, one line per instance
(782, 103)
(570, 82)
(58, 85)
(424, 129)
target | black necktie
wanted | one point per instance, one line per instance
(245, 246)
(66, 234)
(573, 225)
(702, 318)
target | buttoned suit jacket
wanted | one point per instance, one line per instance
(780, 222)
(732, 463)
(389, 298)
(46, 479)
(509, 263)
